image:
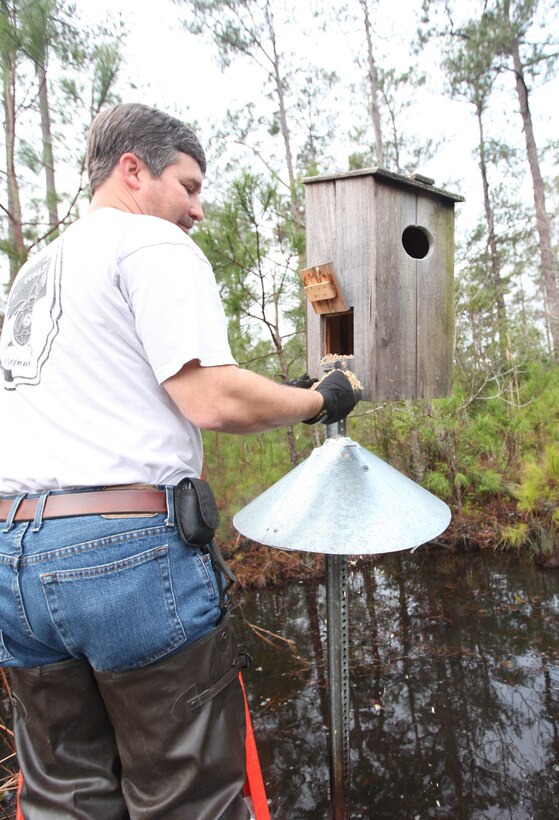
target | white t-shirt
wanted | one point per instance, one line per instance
(94, 323)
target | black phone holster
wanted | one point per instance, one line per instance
(197, 519)
(196, 513)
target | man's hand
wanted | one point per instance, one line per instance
(339, 398)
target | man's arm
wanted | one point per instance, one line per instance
(232, 400)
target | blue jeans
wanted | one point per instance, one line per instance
(121, 592)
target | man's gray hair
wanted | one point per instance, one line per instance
(155, 137)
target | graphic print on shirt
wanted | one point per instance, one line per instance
(31, 322)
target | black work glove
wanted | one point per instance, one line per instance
(339, 398)
(304, 381)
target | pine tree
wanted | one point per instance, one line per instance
(36, 104)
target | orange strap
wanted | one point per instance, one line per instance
(19, 815)
(254, 785)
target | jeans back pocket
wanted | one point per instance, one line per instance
(119, 615)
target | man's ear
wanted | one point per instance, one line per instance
(132, 170)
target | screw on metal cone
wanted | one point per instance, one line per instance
(343, 500)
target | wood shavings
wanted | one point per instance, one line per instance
(353, 380)
(331, 358)
(340, 361)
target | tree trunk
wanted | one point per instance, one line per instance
(548, 263)
(492, 241)
(15, 232)
(373, 85)
(48, 156)
(295, 209)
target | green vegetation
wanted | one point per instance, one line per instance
(489, 459)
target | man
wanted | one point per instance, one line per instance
(112, 617)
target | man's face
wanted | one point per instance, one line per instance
(175, 195)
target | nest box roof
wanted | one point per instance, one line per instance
(417, 181)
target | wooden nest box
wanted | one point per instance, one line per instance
(379, 281)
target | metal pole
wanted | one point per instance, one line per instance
(338, 673)
(384, 503)
(338, 684)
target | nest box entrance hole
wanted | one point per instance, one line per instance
(417, 241)
(338, 333)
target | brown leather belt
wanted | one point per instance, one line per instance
(101, 502)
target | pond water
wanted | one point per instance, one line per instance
(454, 679)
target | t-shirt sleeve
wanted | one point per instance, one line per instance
(178, 315)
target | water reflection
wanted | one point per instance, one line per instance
(454, 690)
